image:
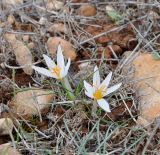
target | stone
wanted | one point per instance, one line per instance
(31, 102)
(6, 126)
(22, 53)
(11, 3)
(147, 72)
(87, 10)
(67, 49)
(6, 149)
(54, 4)
(58, 28)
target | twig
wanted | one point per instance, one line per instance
(150, 138)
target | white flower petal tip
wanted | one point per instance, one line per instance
(96, 77)
(118, 85)
(43, 71)
(113, 89)
(59, 48)
(60, 61)
(104, 105)
(95, 68)
(109, 76)
(44, 55)
(50, 63)
(107, 80)
(69, 60)
(46, 58)
(60, 57)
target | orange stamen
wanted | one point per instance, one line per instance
(57, 70)
(98, 94)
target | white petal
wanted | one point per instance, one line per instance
(43, 71)
(50, 63)
(88, 87)
(104, 105)
(60, 58)
(89, 94)
(112, 89)
(67, 67)
(107, 80)
(96, 77)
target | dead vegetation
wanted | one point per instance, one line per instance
(89, 36)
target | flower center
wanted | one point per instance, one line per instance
(57, 70)
(98, 94)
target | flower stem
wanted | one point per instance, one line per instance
(94, 109)
(67, 87)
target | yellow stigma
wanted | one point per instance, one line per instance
(98, 94)
(57, 70)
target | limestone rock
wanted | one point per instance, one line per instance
(87, 10)
(54, 4)
(67, 48)
(147, 72)
(6, 149)
(22, 53)
(6, 126)
(31, 102)
(11, 3)
(58, 27)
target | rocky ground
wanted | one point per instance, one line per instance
(36, 115)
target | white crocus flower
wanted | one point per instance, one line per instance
(99, 90)
(57, 71)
